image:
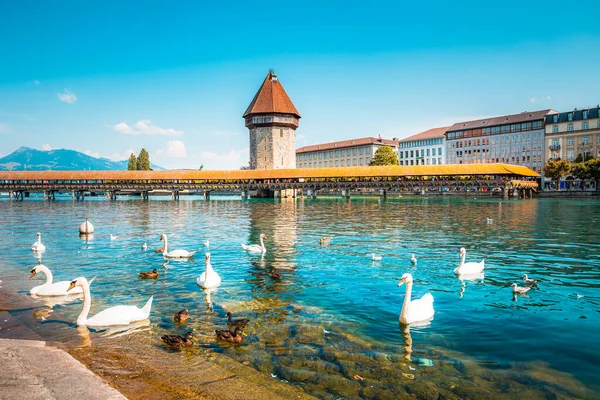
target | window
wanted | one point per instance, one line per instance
(555, 129)
(422, 153)
(433, 161)
(360, 151)
(439, 161)
(585, 114)
(368, 150)
(360, 161)
(570, 116)
(555, 143)
(354, 151)
(586, 125)
(555, 118)
(330, 153)
(585, 140)
(439, 152)
(570, 128)
(348, 162)
(427, 152)
(342, 163)
(348, 153)
(331, 163)
(337, 153)
(320, 163)
(281, 133)
(354, 160)
(367, 160)
(570, 141)
(412, 153)
(337, 163)
(570, 155)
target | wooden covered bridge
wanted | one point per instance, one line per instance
(504, 178)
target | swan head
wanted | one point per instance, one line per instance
(262, 235)
(33, 272)
(207, 257)
(406, 278)
(77, 282)
(38, 235)
(525, 276)
(462, 251)
(514, 285)
(163, 236)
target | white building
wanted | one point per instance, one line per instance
(346, 153)
(425, 148)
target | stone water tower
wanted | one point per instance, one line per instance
(272, 120)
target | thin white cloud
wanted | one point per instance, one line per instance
(122, 156)
(47, 147)
(145, 127)
(174, 149)
(67, 96)
(232, 160)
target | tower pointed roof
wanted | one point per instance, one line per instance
(271, 98)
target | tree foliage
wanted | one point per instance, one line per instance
(581, 170)
(143, 161)
(557, 169)
(593, 170)
(132, 164)
(385, 155)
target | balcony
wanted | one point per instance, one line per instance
(555, 147)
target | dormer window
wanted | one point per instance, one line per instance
(585, 114)
(570, 116)
(555, 118)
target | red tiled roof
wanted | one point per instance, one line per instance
(429, 134)
(347, 143)
(271, 98)
(502, 120)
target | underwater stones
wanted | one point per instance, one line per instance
(423, 390)
(339, 386)
(297, 374)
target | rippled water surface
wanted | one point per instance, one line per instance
(331, 325)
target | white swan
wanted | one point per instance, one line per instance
(207, 243)
(113, 237)
(145, 246)
(470, 267)
(174, 253)
(376, 258)
(51, 288)
(415, 310)
(38, 246)
(117, 315)
(255, 248)
(413, 259)
(209, 278)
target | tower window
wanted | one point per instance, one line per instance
(281, 133)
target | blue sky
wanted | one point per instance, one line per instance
(112, 77)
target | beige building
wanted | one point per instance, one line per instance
(573, 133)
(346, 153)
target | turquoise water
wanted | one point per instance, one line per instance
(335, 313)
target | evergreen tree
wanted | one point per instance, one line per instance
(143, 161)
(132, 164)
(385, 155)
(557, 169)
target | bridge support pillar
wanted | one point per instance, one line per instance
(383, 193)
(207, 195)
(144, 195)
(345, 193)
(175, 195)
(10, 194)
(311, 193)
(245, 194)
(284, 193)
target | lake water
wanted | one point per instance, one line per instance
(331, 324)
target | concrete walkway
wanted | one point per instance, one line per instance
(31, 370)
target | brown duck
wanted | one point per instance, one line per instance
(178, 341)
(275, 275)
(325, 240)
(181, 316)
(229, 336)
(242, 322)
(149, 275)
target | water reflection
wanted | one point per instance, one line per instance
(468, 278)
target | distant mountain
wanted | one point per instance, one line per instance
(61, 159)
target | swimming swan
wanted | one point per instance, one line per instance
(255, 248)
(470, 267)
(117, 315)
(413, 259)
(174, 253)
(209, 278)
(415, 310)
(38, 246)
(51, 288)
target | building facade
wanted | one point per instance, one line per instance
(573, 133)
(272, 120)
(346, 153)
(509, 139)
(425, 148)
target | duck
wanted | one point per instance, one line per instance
(376, 258)
(325, 240)
(230, 336)
(519, 290)
(117, 315)
(526, 279)
(51, 288)
(174, 253)
(145, 246)
(207, 243)
(413, 259)
(242, 322)
(255, 248)
(181, 316)
(209, 278)
(160, 250)
(275, 275)
(178, 341)
(470, 267)
(149, 275)
(415, 310)
(38, 246)
(113, 237)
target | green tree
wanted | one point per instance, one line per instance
(581, 170)
(593, 167)
(132, 164)
(385, 155)
(143, 161)
(556, 170)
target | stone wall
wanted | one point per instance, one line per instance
(272, 147)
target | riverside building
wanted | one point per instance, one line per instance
(509, 139)
(345, 153)
(425, 148)
(573, 133)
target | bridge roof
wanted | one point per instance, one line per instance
(344, 172)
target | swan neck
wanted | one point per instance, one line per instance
(48, 273)
(39, 241)
(262, 244)
(166, 248)
(406, 301)
(87, 303)
(462, 259)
